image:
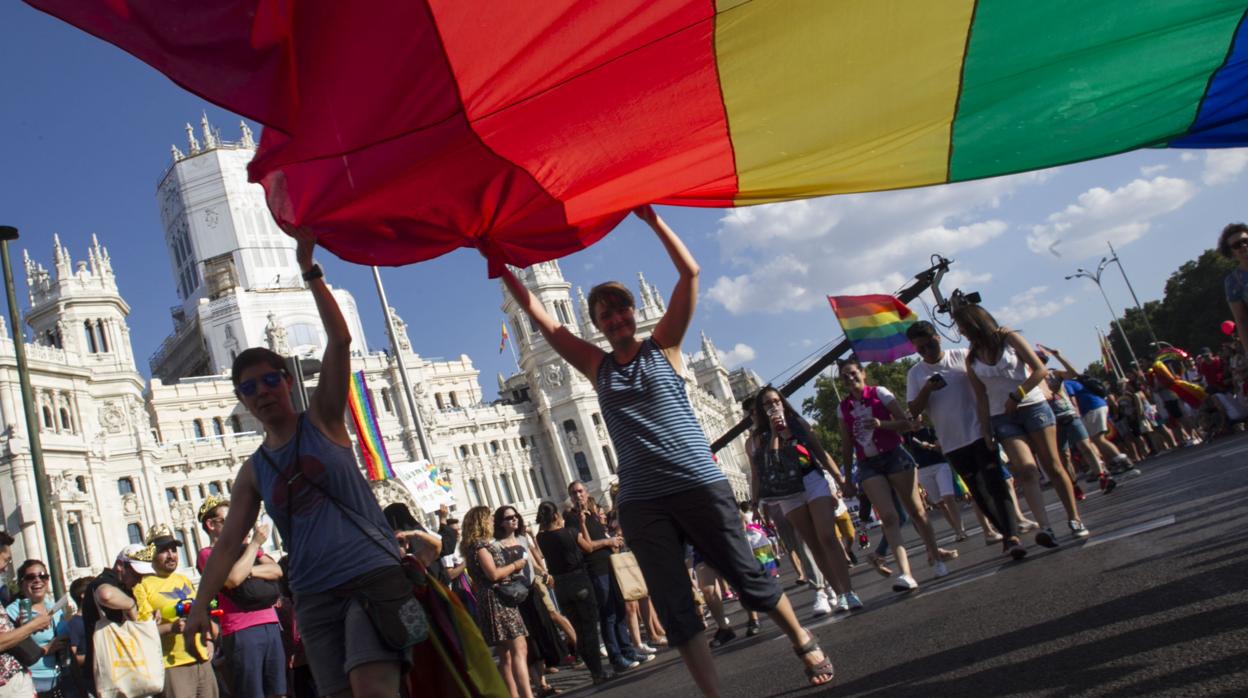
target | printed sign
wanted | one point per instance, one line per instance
(428, 485)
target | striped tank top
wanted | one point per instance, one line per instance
(661, 447)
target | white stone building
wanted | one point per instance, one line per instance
(124, 453)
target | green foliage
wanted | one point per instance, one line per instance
(823, 408)
(1189, 315)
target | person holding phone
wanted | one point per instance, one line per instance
(938, 385)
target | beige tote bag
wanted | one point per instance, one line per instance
(628, 576)
(128, 661)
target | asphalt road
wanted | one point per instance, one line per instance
(1155, 602)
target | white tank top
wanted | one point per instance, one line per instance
(1002, 378)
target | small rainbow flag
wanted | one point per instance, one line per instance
(875, 326)
(376, 460)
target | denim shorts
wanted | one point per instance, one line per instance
(1071, 433)
(892, 462)
(1029, 419)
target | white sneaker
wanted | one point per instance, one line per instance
(904, 582)
(939, 570)
(821, 607)
(602, 649)
(842, 603)
(646, 649)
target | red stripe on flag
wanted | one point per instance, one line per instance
(605, 139)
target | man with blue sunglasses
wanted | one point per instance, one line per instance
(306, 475)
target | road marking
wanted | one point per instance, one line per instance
(1131, 530)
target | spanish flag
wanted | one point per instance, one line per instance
(502, 341)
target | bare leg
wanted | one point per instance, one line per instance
(376, 680)
(1045, 444)
(701, 666)
(784, 617)
(879, 491)
(906, 483)
(953, 514)
(1023, 468)
(708, 581)
(566, 626)
(1091, 457)
(520, 667)
(634, 622)
(822, 541)
(658, 635)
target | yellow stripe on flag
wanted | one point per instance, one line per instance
(833, 96)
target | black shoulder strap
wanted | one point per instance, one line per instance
(353, 516)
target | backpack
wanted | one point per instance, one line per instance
(1094, 386)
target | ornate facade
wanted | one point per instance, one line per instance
(124, 453)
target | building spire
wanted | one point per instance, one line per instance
(587, 324)
(177, 154)
(210, 140)
(249, 141)
(646, 300)
(192, 144)
(708, 349)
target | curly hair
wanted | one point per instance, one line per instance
(477, 526)
(500, 530)
(1224, 240)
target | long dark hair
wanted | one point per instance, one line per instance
(547, 514)
(792, 418)
(981, 329)
(500, 531)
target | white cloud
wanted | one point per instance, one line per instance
(1033, 304)
(1119, 216)
(790, 256)
(1188, 156)
(1150, 170)
(738, 355)
(1224, 165)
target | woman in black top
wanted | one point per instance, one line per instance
(564, 550)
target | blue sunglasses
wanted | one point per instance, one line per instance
(272, 379)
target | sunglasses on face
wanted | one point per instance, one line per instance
(511, 517)
(36, 576)
(1240, 244)
(272, 379)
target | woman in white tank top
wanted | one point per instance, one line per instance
(1006, 374)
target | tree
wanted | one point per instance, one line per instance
(1189, 315)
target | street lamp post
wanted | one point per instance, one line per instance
(53, 549)
(1113, 257)
(1113, 316)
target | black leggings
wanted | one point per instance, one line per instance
(575, 595)
(981, 470)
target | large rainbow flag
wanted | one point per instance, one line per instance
(399, 131)
(875, 326)
(364, 415)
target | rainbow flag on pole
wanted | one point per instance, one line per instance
(376, 460)
(875, 326)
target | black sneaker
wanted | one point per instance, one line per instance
(1046, 538)
(722, 637)
(752, 628)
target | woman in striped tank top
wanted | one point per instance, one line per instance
(671, 490)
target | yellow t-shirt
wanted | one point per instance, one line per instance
(155, 593)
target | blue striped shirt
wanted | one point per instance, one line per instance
(660, 444)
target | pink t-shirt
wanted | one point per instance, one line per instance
(234, 619)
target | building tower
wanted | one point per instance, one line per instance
(232, 266)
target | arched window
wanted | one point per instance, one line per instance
(569, 426)
(103, 334)
(65, 419)
(81, 483)
(125, 486)
(493, 447)
(77, 544)
(385, 400)
(236, 424)
(135, 533)
(454, 399)
(197, 426)
(606, 453)
(524, 443)
(582, 467)
(214, 489)
(47, 418)
(202, 493)
(218, 427)
(171, 494)
(437, 398)
(89, 333)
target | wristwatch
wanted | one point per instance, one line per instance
(314, 273)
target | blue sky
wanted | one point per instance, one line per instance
(85, 135)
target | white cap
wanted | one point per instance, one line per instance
(134, 555)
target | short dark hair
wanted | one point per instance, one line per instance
(921, 328)
(400, 518)
(78, 589)
(612, 293)
(21, 571)
(6, 540)
(851, 360)
(253, 357)
(1224, 246)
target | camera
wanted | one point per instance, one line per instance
(958, 299)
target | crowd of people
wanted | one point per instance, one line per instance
(606, 585)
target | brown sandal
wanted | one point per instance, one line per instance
(878, 563)
(823, 668)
